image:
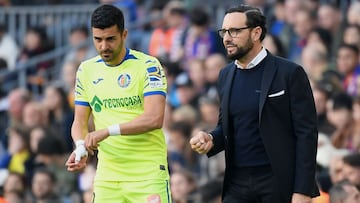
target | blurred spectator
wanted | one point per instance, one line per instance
(185, 113)
(344, 192)
(200, 40)
(209, 111)
(287, 34)
(186, 93)
(36, 42)
(172, 70)
(51, 154)
(43, 187)
(336, 166)
(322, 36)
(165, 36)
(321, 97)
(352, 35)
(60, 114)
(9, 49)
(18, 149)
(68, 78)
(348, 65)
(314, 58)
(183, 186)
(16, 100)
(273, 44)
(339, 113)
(351, 168)
(196, 69)
(179, 152)
(352, 16)
(81, 48)
(14, 188)
(277, 23)
(332, 81)
(36, 134)
(329, 18)
(213, 64)
(34, 114)
(176, 19)
(329, 162)
(304, 22)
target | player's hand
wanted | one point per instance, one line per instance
(73, 165)
(300, 198)
(201, 142)
(92, 139)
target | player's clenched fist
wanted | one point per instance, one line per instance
(201, 142)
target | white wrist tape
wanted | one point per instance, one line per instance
(80, 150)
(114, 130)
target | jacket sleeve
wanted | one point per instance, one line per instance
(217, 133)
(304, 119)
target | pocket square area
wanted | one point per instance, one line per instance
(277, 94)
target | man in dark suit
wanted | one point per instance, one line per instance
(267, 124)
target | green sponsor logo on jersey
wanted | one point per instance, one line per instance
(96, 104)
(123, 102)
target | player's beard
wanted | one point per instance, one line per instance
(241, 51)
(110, 55)
(107, 55)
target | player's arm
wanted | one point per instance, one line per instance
(152, 118)
(80, 124)
(79, 130)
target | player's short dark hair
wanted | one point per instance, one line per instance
(254, 17)
(107, 16)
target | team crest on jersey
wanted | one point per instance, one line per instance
(124, 80)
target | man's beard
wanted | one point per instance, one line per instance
(241, 51)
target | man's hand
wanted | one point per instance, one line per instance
(73, 165)
(80, 150)
(92, 139)
(300, 198)
(201, 142)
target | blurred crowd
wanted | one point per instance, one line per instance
(35, 140)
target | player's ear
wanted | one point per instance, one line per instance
(124, 34)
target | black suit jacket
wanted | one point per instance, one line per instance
(288, 125)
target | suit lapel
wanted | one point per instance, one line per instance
(268, 76)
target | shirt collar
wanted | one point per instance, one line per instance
(256, 60)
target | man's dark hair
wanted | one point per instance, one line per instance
(107, 16)
(342, 101)
(352, 159)
(254, 17)
(51, 145)
(351, 47)
(81, 28)
(46, 171)
(199, 17)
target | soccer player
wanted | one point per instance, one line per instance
(124, 90)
